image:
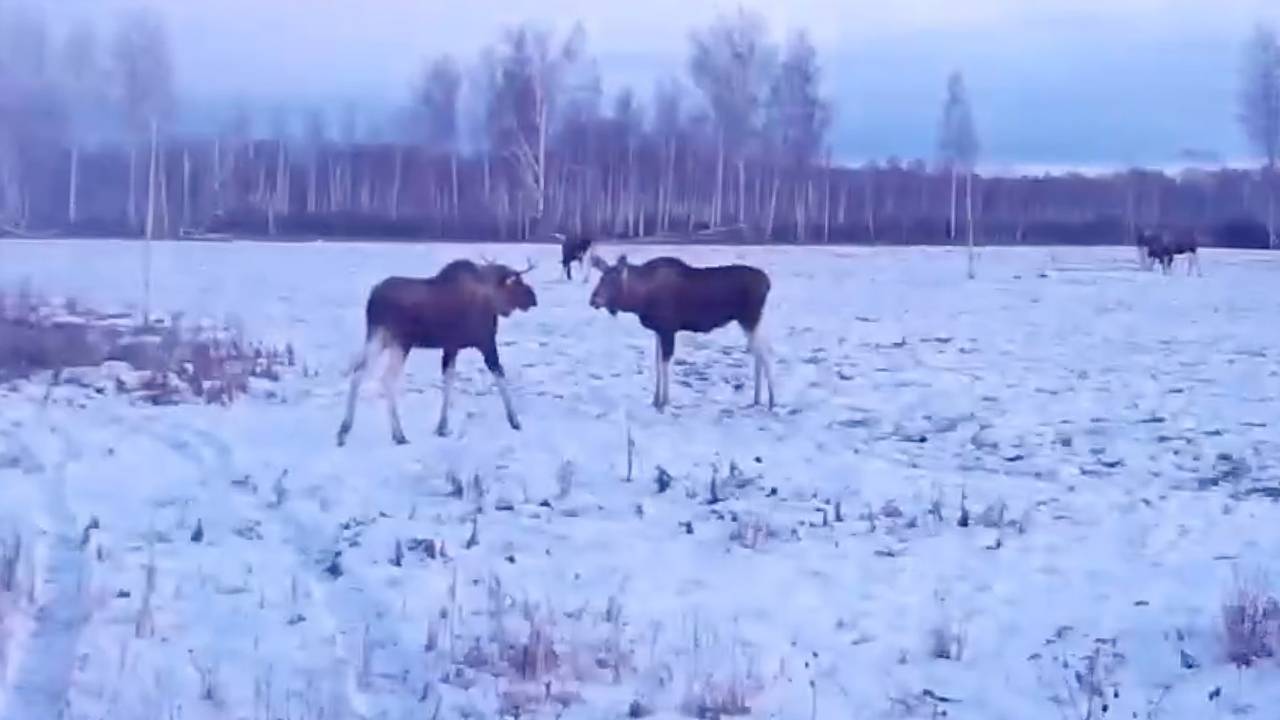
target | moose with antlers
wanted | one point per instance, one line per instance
(669, 296)
(455, 309)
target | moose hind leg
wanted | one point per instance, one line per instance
(390, 382)
(492, 362)
(758, 345)
(448, 365)
(657, 371)
(361, 366)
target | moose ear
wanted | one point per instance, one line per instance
(622, 259)
(598, 263)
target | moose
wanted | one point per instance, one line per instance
(669, 296)
(1163, 247)
(455, 309)
(573, 248)
(1146, 240)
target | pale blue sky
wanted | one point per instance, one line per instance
(1054, 82)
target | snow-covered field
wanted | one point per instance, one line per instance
(1113, 436)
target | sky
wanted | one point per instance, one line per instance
(1055, 84)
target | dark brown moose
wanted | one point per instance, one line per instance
(455, 309)
(669, 296)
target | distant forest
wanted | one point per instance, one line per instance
(520, 141)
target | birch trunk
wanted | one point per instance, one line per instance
(742, 191)
(73, 190)
(870, 194)
(186, 187)
(132, 210)
(717, 198)
(396, 179)
(968, 202)
(951, 228)
(152, 182)
(453, 176)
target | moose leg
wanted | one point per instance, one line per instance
(390, 380)
(666, 348)
(367, 355)
(657, 371)
(490, 352)
(759, 348)
(448, 360)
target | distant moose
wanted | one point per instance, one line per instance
(668, 296)
(1161, 246)
(457, 308)
(573, 248)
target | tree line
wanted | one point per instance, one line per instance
(521, 141)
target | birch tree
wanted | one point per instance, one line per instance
(958, 147)
(627, 126)
(32, 113)
(531, 82)
(1260, 109)
(797, 118)
(731, 63)
(438, 100)
(668, 122)
(84, 82)
(144, 83)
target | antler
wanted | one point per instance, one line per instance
(484, 258)
(528, 267)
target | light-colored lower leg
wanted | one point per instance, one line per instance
(665, 365)
(361, 366)
(765, 360)
(755, 395)
(657, 372)
(501, 382)
(442, 428)
(390, 381)
(759, 347)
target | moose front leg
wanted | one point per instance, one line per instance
(491, 361)
(448, 363)
(666, 347)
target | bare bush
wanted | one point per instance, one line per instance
(10, 556)
(1250, 622)
(163, 361)
(948, 637)
(714, 690)
(751, 532)
(1084, 686)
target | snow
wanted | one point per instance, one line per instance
(1112, 433)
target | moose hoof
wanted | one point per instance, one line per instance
(399, 439)
(515, 424)
(442, 431)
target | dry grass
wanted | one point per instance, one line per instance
(162, 361)
(1250, 621)
(721, 679)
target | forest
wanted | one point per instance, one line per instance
(521, 141)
